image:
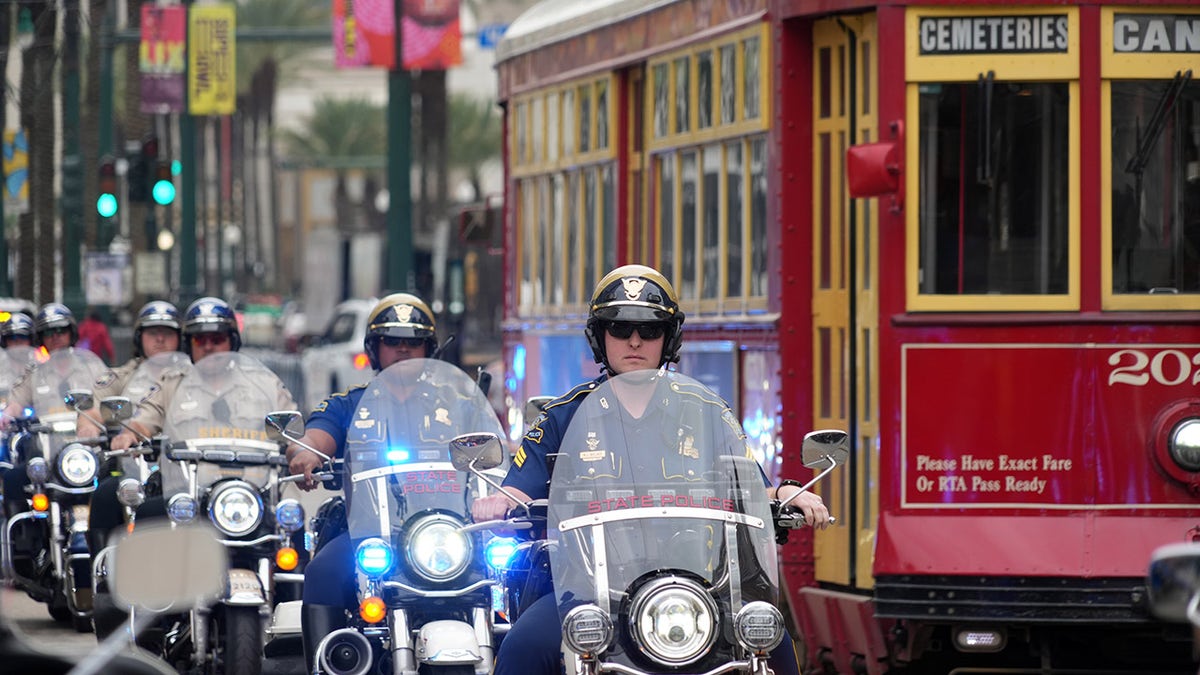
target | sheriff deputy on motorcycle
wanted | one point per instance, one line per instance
(634, 323)
(400, 327)
(55, 329)
(209, 327)
(156, 331)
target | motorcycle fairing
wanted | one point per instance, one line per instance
(639, 499)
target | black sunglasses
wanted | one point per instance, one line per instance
(55, 331)
(410, 342)
(646, 331)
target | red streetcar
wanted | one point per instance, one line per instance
(968, 233)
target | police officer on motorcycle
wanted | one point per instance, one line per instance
(400, 327)
(209, 327)
(54, 328)
(156, 331)
(634, 323)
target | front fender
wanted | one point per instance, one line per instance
(243, 588)
(447, 642)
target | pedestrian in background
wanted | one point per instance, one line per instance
(93, 336)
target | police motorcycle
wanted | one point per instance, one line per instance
(424, 583)
(44, 549)
(217, 464)
(662, 539)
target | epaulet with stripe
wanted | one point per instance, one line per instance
(535, 432)
(693, 388)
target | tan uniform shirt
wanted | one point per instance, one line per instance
(151, 412)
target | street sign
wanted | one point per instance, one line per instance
(490, 34)
(104, 278)
(150, 273)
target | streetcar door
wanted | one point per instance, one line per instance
(845, 309)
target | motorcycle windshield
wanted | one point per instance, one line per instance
(9, 372)
(653, 480)
(139, 385)
(218, 409)
(66, 369)
(397, 448)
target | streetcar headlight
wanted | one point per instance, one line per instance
(674, 621)
(1184, 444)
(37, 470)
(979, 639)
(182, 508)
(373, 557)
(759, 626)
(436, 548)
(77, 465)
(290, 515)
(235, 508)
(587, 629)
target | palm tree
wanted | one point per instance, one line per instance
(37, 247)
(342, 133)
(261, 66)
(474, 137)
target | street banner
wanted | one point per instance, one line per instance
(16, 171)
(212, 79)
(162, 58)
(364, 34)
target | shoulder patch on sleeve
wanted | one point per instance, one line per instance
(519, 460)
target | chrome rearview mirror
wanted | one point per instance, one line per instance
(159, 566)
(534, 406)
(824, 446)
(823, 450)
(1173, 582)
(284, 425)
(79, 399)
(116, 409)
(476, 451)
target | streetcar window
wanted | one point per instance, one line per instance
(704, 90)
(994, 187)
(661, 82)
(1156, 186)
(751, 68)
(728, 81)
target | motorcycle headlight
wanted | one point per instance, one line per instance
(436, 549)
(235, 508)
(373, 557)
(673, 621)
(587, 629)
(290, 515)
(759, 626)
(37, 470)
(77, 465)
(182, 508)
(130, 492)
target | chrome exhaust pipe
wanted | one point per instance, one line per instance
(345, 652)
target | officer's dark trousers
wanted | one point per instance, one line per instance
(533, 645)
(329, 576)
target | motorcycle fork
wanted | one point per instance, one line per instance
(404, 658)
(199, 619)
(481, 621)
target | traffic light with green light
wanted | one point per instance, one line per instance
(164, 184)
(106, 203)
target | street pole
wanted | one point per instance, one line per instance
(400, 248)
(72, 211)
(104, 226)
(188, 290)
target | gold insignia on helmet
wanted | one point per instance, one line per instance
(633, 287)
(404, 313)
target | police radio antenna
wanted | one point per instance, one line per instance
(437, 353)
